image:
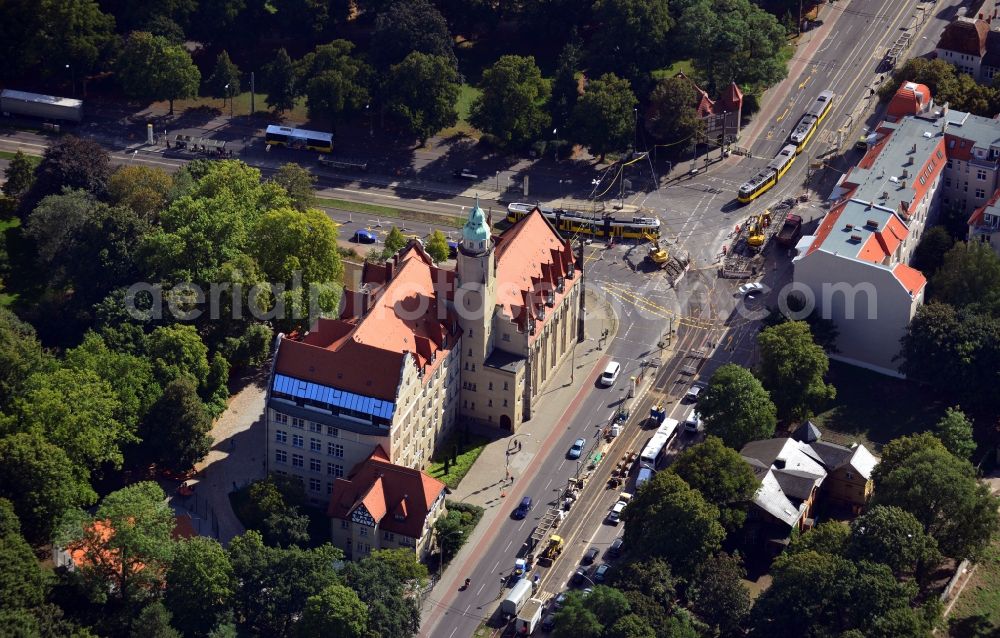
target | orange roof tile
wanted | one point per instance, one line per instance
(910, 99)
(912, 279)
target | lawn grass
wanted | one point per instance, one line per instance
(7, 155)
(468, 452)
(240, 106)
(980, 600)
(873, 409)
(466, 95)
(680, 66)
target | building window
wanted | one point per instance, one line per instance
(344, 524)
(334, 470)
(389, 536)
(315, 465)
(329, 488)
(505, 386)
(465, 404)
(980, 174)
(315, 445)
(470, 332)
(948, 165)
(490, 403)
(363, 531)
(315, 427)
(298, 423)
(491, 386)
(947, 182)
(335, 449)
(298, 440)
(332, 431)
(506, 336)
(314, 485)
(980, 193)
(281, 436)
(280, 418)
(849, 475)
(505, 403)
(473, 405)
(470, 352)
(281, 456)
(297, 460)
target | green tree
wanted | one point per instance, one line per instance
(630, 626)
(133, 525)
(421, 92)
(151, 68)
(275, 584)
(437, 247)
(511, 106)
(737, 408)
(335, 82)
(668, 518)
(722, 477)
(942, 492)
(299, 248)
(896, 453)
(829, 537)
(144, 189)
(929, 254)
(76, 32)
(387, 581)
(176, 351)
(719, 596)
(175, 433)
(23, 585)
(891, 535)
(21, 355)
(575, 620)
(409, 26)
(650, 576)
(298, 182)
(336, 612)
(274, 512)
(604, 117)
(970, 275)
(55, 225)
(75, 409)
(19, 176)
(225, 79)
(632, 38)
(280, 82)
(671, 115)
(955, 431)
(792, 368)
(394, 241)
(154, 621)
(41, 482)
(854, 597)
(200, 585)
(565, 86)
(69, 162)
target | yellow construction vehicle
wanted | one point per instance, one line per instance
(553, 549)
(755, 231)
(657, 254)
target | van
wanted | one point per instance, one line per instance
(518, 595)
(644, 475)
(610, 374)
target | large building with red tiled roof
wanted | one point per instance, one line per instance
(923, 159)
(381, 505)
(417, 348)
(973, 46)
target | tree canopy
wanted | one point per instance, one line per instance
(199, 585)
(604, 117)
(891, 535)
(632, 38)
(969, 276)
(736, 407)
(411, 26)
(671, 115)
(955, 431)
(792, 367)
(722, 477)
(718, 594)
(511, 107)
(421, 92)
(334, 81)
(151, 68)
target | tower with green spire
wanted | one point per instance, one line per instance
(476, 287)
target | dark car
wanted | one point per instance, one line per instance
(549, 622)
(363, 237)
(465, 173)
(559, 601)
(601, 573)
(453, 249)
(590, 556)
(523, 508)
(616, 547)
(580, 577)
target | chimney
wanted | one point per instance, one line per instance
(914, 149)
(885, 195)
(902, 184)
(390, 267)
(905, 174)
(779, 463)
(909, 161)
(366, 300)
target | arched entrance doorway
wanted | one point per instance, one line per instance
(504, 422)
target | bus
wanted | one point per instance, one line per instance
(571, 222)
(657, 445)
(804, 130)
(298, 138)
(768, 176)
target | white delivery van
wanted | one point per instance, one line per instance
(610, 374)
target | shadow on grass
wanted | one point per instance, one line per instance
(875, 408)
(455, 458)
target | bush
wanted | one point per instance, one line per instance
(454, 529)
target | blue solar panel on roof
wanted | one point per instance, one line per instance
(333, 396)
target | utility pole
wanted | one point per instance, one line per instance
(253, 108)
(799, 23)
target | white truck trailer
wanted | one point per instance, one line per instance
(516, 598)
(529, 617)
(46, 107)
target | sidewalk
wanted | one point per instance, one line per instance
(556, 406)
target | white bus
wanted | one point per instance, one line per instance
(653, 451)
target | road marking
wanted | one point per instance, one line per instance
(495, 567)
(509, 543)
(802, 85)
(456, 628)
(782, 116)
(547, 485)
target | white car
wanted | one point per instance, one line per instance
(693, 393)
(693, 421)
(615, 515)
(751, 289)
(610, 374)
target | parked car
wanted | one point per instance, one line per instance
(576, 451)
(549, 622)
(615, 550)
(601, 573)
(751, 289)
(363, 237)
(523, 508)
(615, 515)
(610, 374)
(580, 576)
(644, 475)
(590, 556)
(693, 393)
(559, 601)
(465, 173)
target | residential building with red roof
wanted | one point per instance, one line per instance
(381, 505)
(722, 116)
(984, 223)
(972, 45)
(417, 348)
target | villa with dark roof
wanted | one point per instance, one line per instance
(417, 348)
(972, 46)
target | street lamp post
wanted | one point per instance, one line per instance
(441, 548)
(72, 81)
(371, 123)
(555, 152)
(579, 463)
(230, 101)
